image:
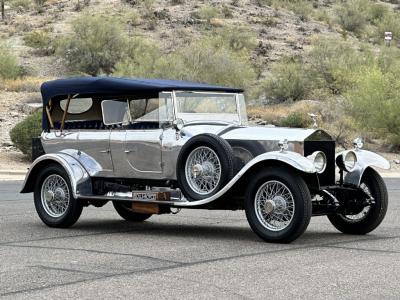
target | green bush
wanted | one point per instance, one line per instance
(207, 12)
(95, 45)
(24, 4)
(296, 120)
(335, 64)
(391, 22)
(22, 133)
(376, 105)
(39, 40)
(236, 38)
(287, 82)
(142, 60)
(200, 61)
(9, 68)
(352, 15)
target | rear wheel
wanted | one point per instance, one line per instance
(369, 217)
(54, 201)
(278, 205)
(125, 211)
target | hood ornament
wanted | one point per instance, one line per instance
(314, 117)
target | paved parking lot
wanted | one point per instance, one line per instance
(193, 255)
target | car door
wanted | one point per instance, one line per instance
(143, 150)
(143, 137)
(96, 143)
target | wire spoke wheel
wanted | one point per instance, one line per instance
(55, 196)
(203, 170)
(274, 205)
(364, 212)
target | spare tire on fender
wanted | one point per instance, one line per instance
(205, 165)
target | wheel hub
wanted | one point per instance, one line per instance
(49, 195)
(59, 193)
(274, 205)
(197, 170)
(269, 206)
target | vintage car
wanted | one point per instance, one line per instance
(157, 146)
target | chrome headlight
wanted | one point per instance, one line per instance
(318, 159)
(350, 160)
(347, 161)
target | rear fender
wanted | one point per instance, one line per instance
(78, 176)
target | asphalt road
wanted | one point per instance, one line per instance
(191, 255)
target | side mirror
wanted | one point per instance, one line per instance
(178, 124)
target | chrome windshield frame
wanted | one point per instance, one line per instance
(236, 95)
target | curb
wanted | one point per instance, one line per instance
(13, 172)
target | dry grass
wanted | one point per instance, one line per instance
(26, 84)
(273, 114)
(331, 117)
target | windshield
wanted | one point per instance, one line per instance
(192, 106)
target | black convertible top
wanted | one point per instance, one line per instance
(104, 87)
(114, 87)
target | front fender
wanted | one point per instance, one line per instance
(290, 158)
(78, 176)
(365, 159)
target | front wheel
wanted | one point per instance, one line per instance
(369, 217)
(278, 205)
(54, 201)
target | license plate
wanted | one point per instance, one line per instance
(151, 196)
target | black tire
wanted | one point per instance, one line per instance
(376, 213)
(74, 208)
(124, 210)
(225, 156)
(301, 199)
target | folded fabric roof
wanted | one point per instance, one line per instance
(104, 87)
(112, 86)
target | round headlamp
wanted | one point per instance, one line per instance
(318, 159)
(347, 161)
(350, 159)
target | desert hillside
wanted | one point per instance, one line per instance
(326, 57)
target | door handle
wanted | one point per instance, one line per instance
(128, 151)
(105, 151)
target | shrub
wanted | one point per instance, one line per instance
(133, 17)
(9, 68)
(200, 61)
(391, 22)
(352, 16)
(22, 133)
(237, 38)
(95, 46)
(39, 40)
(207, 12)
(142, 60)
(287, 82)
(375, 103)
(295, 119)
(24, 4)
(39, 5)
(335, 64)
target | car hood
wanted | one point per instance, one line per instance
(275, 134)
(259, 133)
